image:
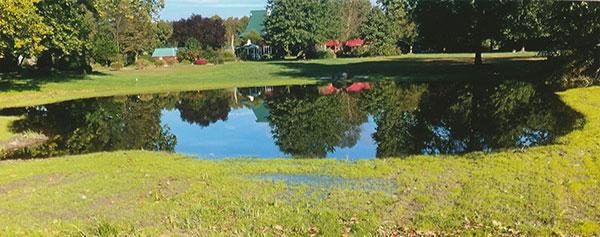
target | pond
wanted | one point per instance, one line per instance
(343, 120)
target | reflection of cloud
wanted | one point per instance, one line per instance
(219, 3)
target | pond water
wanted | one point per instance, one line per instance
(344, 120)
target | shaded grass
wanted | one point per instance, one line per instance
(540, 191)
(18, 92)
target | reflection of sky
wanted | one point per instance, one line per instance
(242, 136)
(365, 148)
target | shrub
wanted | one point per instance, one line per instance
(186, 62)
(324, 54)
(117, 66)
(201, 62)
(159, 63)
(217, 59)
(383, 50)
(141, 64)
(361, 51)
(171, 61)
(267, 57)
(185, 54)
(229, 56)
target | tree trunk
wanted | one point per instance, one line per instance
(478, 59)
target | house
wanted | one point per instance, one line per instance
(334, 45)
(255, 50)
(347, 46)
(165, 54)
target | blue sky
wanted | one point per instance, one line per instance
(177, 9)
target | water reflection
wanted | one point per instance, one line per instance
(341, 120)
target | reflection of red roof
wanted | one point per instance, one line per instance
(330, 89)
(333, 43)
(355, 43)
(358, 86)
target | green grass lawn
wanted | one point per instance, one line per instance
(5, 132)
(540, 191)
(16, 92)
(549, 190)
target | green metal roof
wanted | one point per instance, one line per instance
(256, 22)
(164, 52)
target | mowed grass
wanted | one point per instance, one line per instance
(5, 122)
(18, 92)
(550, 190)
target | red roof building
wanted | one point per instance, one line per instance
(354, 43)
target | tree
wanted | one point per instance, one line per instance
(378, 30)
(402, 28)
(253, 36)
(104, 49)
(209, 32)
(526, 22)
(164, 31)
(353, 13)
(460, 25)
(575, 34)
(22, 31)
(295, 27)
(233, 28)
(131, 23)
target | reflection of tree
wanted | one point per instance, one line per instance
(98, 125)
(305, 124)
(204, 108)
(392, 106)
(461, 118)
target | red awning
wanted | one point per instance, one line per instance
(333, 43)
(355, 43)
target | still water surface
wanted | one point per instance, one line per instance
(351, 120)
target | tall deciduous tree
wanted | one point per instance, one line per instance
(22, 30)
(296, 26)
(131, 22)
(460, 25)
(209, 32)
(233, 28)
(164, 31)
(526, 22)
(353, 13)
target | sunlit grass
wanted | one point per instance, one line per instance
(549, 190)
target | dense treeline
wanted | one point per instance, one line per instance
(558, 28)
(72, 34)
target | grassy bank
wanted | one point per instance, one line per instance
(540, 191)
(16, 92)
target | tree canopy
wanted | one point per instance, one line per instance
(210, 32)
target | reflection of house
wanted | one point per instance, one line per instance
(260, 110)
(256, 25)
(355, 87)
(164, 53)
(337, 45)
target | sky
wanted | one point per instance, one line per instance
(178, 9)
